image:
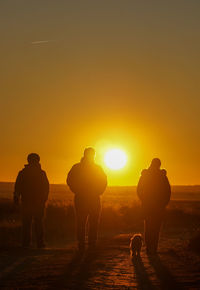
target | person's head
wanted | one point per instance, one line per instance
(155, 163)
(33, 158)
(89, 154)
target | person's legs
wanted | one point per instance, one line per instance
(94, 222)
(81, 218)
(157, 221)
(152, 230)
(39, 227)
(147, 233)
(26, 227)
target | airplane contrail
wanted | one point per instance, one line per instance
(41, 41)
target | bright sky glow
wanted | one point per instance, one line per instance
(115, 159)
(76, 72)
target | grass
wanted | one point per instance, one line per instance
(120, 214)
(181, 216)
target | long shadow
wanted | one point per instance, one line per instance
(167, 280)
(15, 260)
(78, 271)
(144, 283)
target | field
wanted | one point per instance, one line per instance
(177, 266)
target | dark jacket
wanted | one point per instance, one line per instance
(87, 179)
(32, 185)
(154, 190)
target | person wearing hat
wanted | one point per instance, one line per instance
(154, 191)
(87, 181)
(32, 188)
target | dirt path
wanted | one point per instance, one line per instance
(109, 268)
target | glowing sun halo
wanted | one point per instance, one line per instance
(115, 159)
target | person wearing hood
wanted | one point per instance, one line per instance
(87, 181)
(32, 188)
(154, 192)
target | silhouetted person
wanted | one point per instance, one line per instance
(154, 192)
(32, 187)
(88, 181)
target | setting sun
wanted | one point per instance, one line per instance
(115, 159)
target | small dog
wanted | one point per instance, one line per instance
(136, 245)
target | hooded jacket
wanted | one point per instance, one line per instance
(32, 185)
(154, 189)
(87, 179)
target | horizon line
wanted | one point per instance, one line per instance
(134, 185)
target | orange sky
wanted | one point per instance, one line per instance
(100, 73)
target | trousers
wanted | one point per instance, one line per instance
(87, 211)
(30, 214)
(152, 226)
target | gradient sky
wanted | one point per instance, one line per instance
(102, 73)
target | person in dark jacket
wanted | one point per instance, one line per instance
(154, 192)
(88, 181)
(32, 187)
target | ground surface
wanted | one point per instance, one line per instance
(110, 267)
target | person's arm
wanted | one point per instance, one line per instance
(167, 191)
(46, 186)
(103, 181)
(142, 184)
(140, 188)
(71, 179)
(17, 189)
